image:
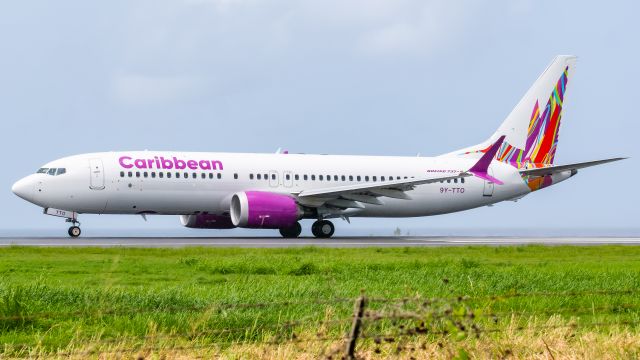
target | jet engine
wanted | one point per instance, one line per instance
(206, 221)
(261, 209)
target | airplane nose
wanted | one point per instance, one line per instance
(23, 188)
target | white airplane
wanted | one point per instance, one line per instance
(276, 191)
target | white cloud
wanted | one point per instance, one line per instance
(221, 5)
(391, 39)
(136, 89)
(420, 28)
(369, 27)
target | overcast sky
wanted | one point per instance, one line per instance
(395, 77)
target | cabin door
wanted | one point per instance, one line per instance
(96, 173)
(488, 185)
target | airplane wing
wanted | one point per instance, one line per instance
(352, 196)
(560, 168)
(393, 185)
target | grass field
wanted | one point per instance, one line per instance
(268, 302)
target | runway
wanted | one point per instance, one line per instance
(338, 242)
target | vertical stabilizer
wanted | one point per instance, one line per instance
(531, 129)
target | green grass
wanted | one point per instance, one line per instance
(53, 297)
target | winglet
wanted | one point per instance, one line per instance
(481, 167)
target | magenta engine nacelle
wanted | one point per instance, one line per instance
(261, 209)
(206, 221)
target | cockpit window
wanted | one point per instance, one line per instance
(52, 171)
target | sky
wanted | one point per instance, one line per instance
(376, 77)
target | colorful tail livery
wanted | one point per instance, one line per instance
(532, 130)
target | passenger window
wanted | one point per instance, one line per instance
(121, 173)
(374, 179)
(169, 175)
(358, 177)
(313, 177)
(350, 177)
(42, 171)
(250, 176)
(462, 180)
(219, 176)
(455, 180)
(366, 178)
(335, 177)
(381, 178)
(287, 177)
(160, 175)
(320, 177)
(177, 175)
(130, 174)
(185, 175)
(343, 178)
(296, 177)
(146, 174)
(235, 176)
(266, 177)
(51, 171)
(448, 180)
(153, 174)
(273, 176)
(194, 175)
(259, 176)
(137, 173)
(61, 171)
(305, 177)
(328, 177)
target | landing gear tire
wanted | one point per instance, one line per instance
(74, 231)
(323, 229)
(291, 232)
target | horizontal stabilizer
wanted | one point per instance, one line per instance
(550, 170)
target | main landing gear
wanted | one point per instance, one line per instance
(74, 230)
(291, 232)
(323, 229)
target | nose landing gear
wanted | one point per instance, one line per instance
(70, 217)
(74, 231)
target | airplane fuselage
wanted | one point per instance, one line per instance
(182, 183)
